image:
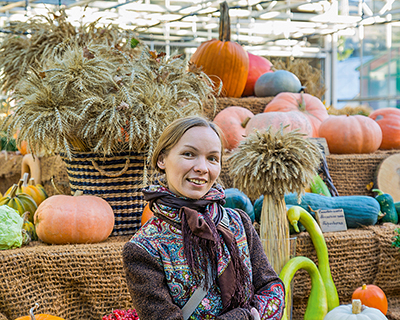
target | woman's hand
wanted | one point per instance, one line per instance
(255, 314)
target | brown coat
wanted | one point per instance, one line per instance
(149, 291)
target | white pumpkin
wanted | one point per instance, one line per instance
(353, 312)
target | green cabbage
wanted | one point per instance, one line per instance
(10, 228)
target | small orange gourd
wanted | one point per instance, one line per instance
(146, 215)
(32, 316)
(371, 296)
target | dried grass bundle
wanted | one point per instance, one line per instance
(310, 77)
(28, 43)
(362, 109)
(276, 162)
(102, 99)
(272, 163)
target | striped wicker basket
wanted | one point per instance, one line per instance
(118, 179)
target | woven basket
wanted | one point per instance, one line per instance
(118, 179)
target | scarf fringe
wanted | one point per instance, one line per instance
(199, 252)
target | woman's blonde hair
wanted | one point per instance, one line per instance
(174, 132)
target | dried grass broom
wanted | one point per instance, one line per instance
(272, 163)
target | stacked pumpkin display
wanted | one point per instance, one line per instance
(295, 110)
(237, 72)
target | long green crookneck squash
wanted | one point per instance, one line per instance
(296, 214)
(317, 305)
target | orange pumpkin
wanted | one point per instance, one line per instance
(62, 219)
(292, 119)
(146, 215)
(224, 60)
(389, 121)
(371, 296)
(351, 134)
(232, 122)
(33, 316)
(23, 146)
(257, 66)
(311, 106)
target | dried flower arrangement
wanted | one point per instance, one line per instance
(103, 97)
(273, 163)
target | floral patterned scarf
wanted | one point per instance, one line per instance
(205, 239)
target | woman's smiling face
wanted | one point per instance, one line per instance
(193, 164)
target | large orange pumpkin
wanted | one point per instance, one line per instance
(351, 134)
(389, 121)
(257, 66)
(232, 121)
(62, 219)
(292, 119)
(224, 60)
(371, 296)
(311, 106)
(146, 214)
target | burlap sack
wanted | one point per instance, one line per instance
(356, 256)
(3, 317)
(70, 281)
(353, 173)
(87, 281)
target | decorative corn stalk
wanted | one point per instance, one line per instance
(271, 163)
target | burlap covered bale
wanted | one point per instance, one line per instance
(352, 173)
(70, 281)
(356, 256)
(254, 104)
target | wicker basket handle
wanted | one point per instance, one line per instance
(111, 175)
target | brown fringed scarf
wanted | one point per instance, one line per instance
(202, 241)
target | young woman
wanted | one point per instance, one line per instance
(194, 249)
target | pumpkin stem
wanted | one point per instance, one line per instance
(78, 193)
(378, 191)
(245, 122)
(13, 191)
(33, 309)
(356, 306)
(364, 287)
(25, 179)
(224, 22)
(32, 181)
(302, 105)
